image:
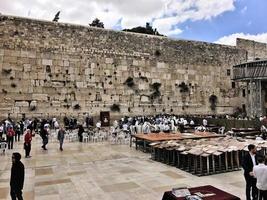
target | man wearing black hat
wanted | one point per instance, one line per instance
(17, 177)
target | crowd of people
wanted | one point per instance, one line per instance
(255, 170)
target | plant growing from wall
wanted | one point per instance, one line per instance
(184, 90)
(66, 106)
(115, 108)
(156, 92)
(183, 87)
(4, 91)
(144, 78)
(76, 107)
(157, 53)
(6, 71)
(13, 85)
(213, 99)
(48, 69)
(129, 82)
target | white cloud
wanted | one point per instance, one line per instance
(231, 39)
(244, 10)
(165, 14)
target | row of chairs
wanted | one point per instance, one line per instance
(113, 136)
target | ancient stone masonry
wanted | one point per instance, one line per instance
(57, 69)
(255, 50)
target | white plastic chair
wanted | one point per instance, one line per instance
(85, 137)
(102, 136)
(221, 130)
(120, 137)
(95, 137)
(3, 147)
(73, 137)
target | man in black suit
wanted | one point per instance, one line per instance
(17, 177)
(249, 161)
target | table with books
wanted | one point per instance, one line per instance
(206, 192)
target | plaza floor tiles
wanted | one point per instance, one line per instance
(96, 171)
(119, 187)
(43, 171)
(76, 173)
(172, 174)
(52, 182)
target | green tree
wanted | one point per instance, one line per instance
(146, 30)
(97, 23)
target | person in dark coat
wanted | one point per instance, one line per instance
(60, 136)
(44, 135)
(80, 133)
(249, 161)
(17, 177)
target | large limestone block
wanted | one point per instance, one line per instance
(87, 71)
(145, 99)
(5, 109)
(56, 103)
(33, 104)
(41, 75)
(124, 67)
(16, 110)
(46, 62)
(135, 62)
(80, 84)
(109, 60)
(143, 86)
(22, 103)
(27, 67)
(39, 97)
(57, 84)
(37, 89)
(160, 65)
(10, 59)
(8, 52)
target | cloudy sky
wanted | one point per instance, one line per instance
(218, 21)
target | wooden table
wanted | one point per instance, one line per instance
(158, 137)
(219, 194)
(242, 132)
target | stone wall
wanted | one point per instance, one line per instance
(57, 69)
(255, 50)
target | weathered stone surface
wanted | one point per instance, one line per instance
(39, 97)
(22, 103)
(84, 67)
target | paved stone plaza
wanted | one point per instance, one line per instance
(103, 171)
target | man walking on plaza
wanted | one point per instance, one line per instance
(17, 177)
(10, 137)
(249, 161)
(60, 136)
(44, 135)
(260, 173)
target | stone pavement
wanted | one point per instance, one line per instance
(98, 171)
